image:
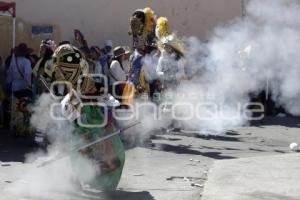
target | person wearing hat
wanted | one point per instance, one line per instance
(170, 71)
(107, 52)
(96, 67)
(118, 71)
(19, 72)
(18, 81)
(47, 48)
(95, 53)
(106, 57)
(108, 45)
(170, 68)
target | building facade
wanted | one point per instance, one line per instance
(109, 19)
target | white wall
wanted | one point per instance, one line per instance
(109, 19)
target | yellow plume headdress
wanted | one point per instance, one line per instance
(162, 29)
(150, 20)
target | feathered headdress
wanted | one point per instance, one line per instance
(162, 29)
(150, 20)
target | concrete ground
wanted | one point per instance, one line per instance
(176, 165)
(261, 178)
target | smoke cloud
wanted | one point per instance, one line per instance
(243, 57)
(59, 179)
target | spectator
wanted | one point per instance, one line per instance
(95, 53)
(19, 72)
(96, 67)
(117, 72)
(106, 56)
(108, 46)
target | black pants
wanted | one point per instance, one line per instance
(23, 93)
(6, 111)
(118, 93)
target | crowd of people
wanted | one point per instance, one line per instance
(22, 69)
(123, 67)
(25, 76)
(116, 75)
(73, 70)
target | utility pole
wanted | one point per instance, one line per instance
(244, 7)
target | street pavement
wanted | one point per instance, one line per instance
(176, 165)
(261, 178)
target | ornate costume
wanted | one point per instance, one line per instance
(142, 25)
(69, 64)
(170, 68)
(47, 48)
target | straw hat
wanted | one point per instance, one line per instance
(22, 50)
(119, 51)
(174, 42)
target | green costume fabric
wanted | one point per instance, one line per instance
(109, 155)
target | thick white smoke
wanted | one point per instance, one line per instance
(47, 117)
(241, 57)
(58, 179)
(245, 56)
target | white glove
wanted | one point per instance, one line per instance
(69, 106)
